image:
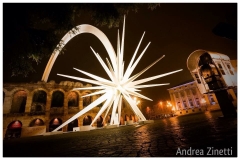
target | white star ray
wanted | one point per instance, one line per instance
(119, 86)
(114, 108)
(89, 88)
(144, 70)
(94, 76)
(151, 85)
(119, 108)
(87, 80)
(134, 106)
(84, 110)
(106, 113)
(95, 93)
(138, 95)
(127, 74)
(152, 78)
(110, 74)
(136, 62)
(106, 104)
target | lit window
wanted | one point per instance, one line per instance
(185, 104)
(212, 101)
(230, 69)
(221, 69)
(197, 78)
(179, 106)
(191, 102)
(197, 102)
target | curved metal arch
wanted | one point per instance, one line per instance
(84, 28)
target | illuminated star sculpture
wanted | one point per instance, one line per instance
(121, 84)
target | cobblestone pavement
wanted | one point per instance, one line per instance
(163, 138)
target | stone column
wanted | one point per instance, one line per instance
(187, 100)
(175, 101)
(28, 103)
(80, 103)
(194, 96)
(7, 103)
(180, 99)
(47, 110)
(65, 111)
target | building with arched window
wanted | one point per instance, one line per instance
(186, 98)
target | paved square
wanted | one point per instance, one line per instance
(163, 138)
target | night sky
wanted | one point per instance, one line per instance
(174, 30)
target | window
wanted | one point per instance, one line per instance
(197, 102)
(185, 104)
(211, 99)
(87, 100)
(230, 69)
(72, 99)
(191, 102)
(57, 99)
(221, 68)
(19, 102)
(197, 78)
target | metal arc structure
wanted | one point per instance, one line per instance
(84, 28)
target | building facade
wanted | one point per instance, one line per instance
(42, 107)
(186, 99)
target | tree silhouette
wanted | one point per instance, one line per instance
(31, 31)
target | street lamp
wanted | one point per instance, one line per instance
(173, 110)
(203, 102)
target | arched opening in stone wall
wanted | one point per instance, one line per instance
(132, 118)
(19, 102)
(73, 99)
(121, 121)
(109, 118)
(39, 102)
(87, 120)
(127, 118)
(57, 99)
(54, 123)
(3, 96)
(72, 124)
(36, 122)
(13, 130)
(100, 122)
(86, 100)
(136, 118)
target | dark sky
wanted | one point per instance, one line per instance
(174, 30)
